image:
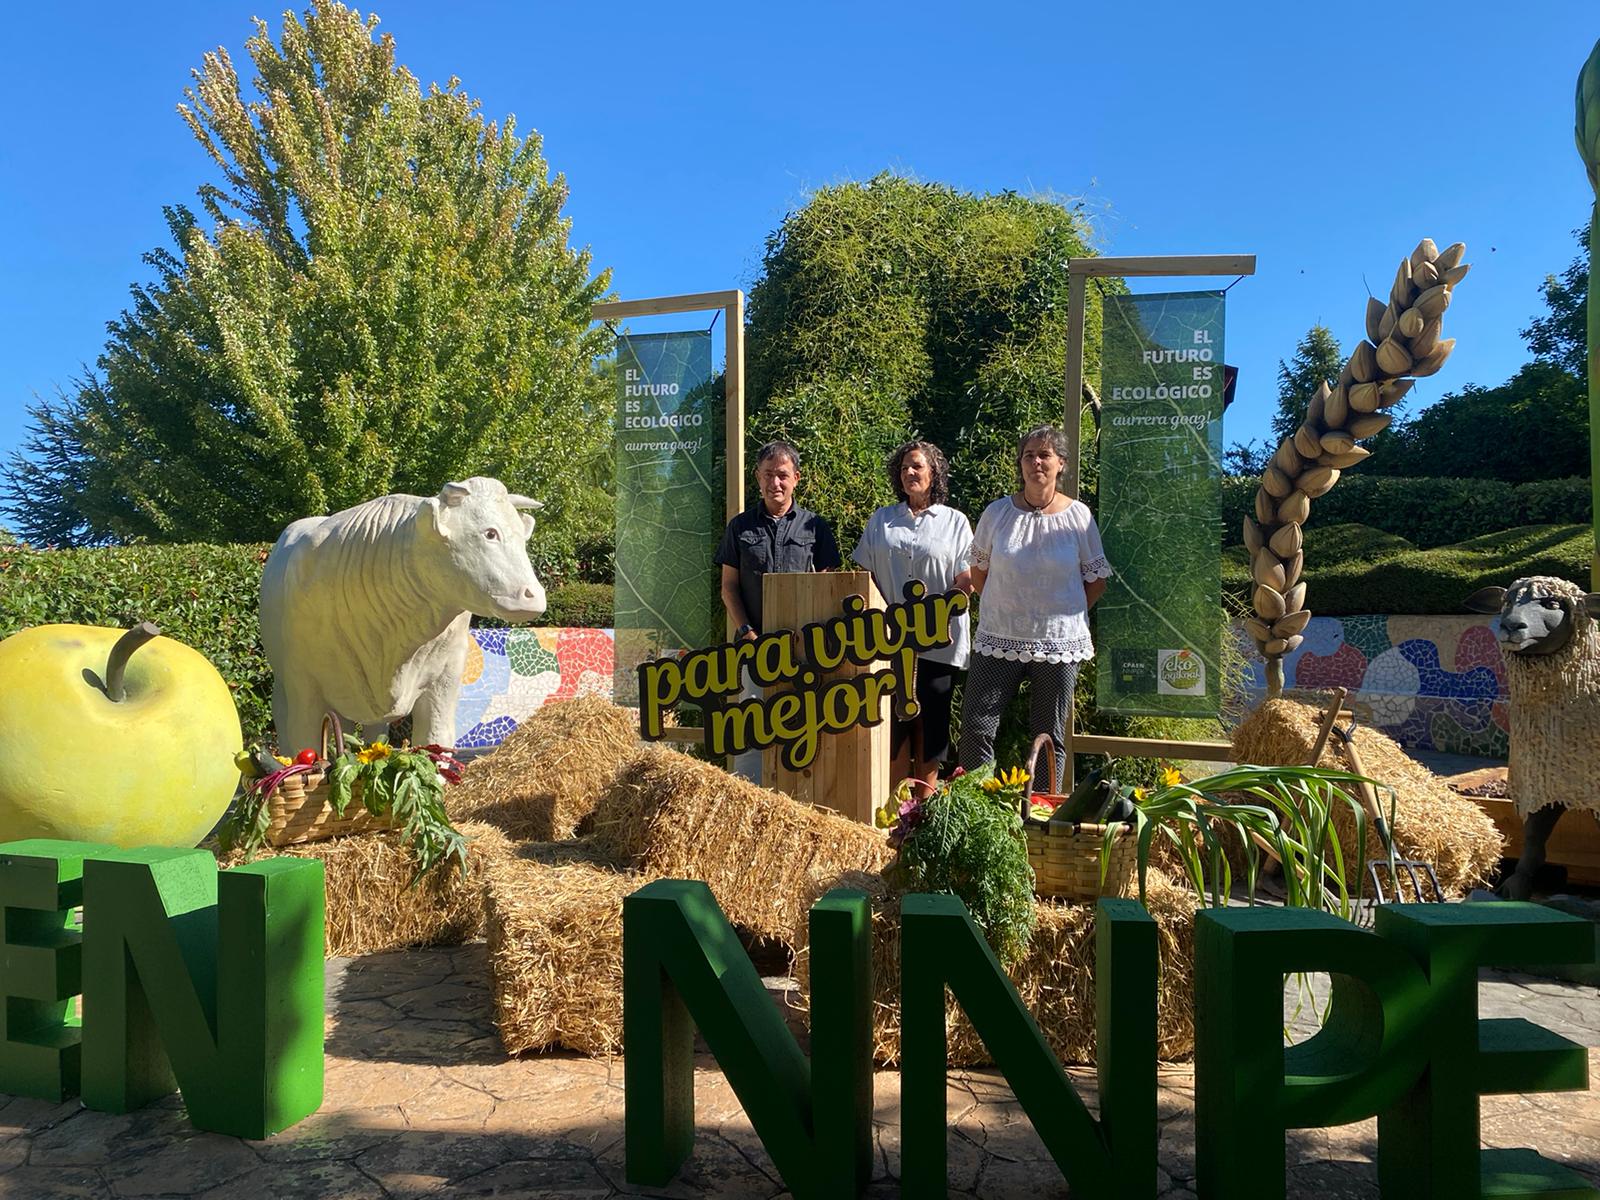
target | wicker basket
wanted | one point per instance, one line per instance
(1065, 857)
(299, 808)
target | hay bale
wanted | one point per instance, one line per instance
(760, 852)
(544, 780)
(554, 920)
(1431, 822)
(371, 905)
(1055, 978)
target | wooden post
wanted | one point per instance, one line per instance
(851, 771)
(1072, 401)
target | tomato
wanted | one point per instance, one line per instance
(305, 758)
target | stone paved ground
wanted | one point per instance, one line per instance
(421, 1100)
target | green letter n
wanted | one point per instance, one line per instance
(1110, 1159)
(681, 959)
(209, 981)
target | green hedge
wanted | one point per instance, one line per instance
(204, 596)
(1352, 569)
(579, 606)
(1427, 512)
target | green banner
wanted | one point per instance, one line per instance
(1158, 629)
(669, 500)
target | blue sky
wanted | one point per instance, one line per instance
(1326, 139)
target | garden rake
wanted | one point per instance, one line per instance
(1399, 868)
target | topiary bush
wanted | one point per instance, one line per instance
(894, 308)
(1352, 569)
(1428, 512)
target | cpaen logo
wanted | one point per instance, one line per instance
(1180, 672)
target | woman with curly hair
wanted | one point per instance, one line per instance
(922, 537)
(1039, 566)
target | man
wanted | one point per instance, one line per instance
(773, 534)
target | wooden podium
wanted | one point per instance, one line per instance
(851, 771)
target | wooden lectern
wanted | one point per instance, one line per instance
(851, 771)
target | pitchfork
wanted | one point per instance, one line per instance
(1368, 796)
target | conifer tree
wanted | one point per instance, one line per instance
(1316, 359)
(377, 296)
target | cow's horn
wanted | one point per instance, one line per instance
(525, 502)
(454, 493)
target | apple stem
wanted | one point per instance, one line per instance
(121, 652)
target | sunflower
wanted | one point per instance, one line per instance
(373, 752)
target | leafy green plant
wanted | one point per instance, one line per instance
(1285, 811)
(406, 784)
(966, 839)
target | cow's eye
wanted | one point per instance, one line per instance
(1550, 602)
(492, 534)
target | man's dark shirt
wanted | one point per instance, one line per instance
(755, 543)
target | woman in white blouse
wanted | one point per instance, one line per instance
(922, 538)
(1038, 563)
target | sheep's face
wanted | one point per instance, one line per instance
(1535, 618)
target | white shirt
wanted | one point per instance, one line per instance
(1033, 606)
(932, 546)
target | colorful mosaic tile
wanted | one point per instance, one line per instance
(511, 673)
(1432, 683)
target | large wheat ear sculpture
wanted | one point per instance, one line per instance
(1402, 344)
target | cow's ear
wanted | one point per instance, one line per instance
(430, 518)
(453, 495)
(1486, 600)
(527, 524)
(1591, 604)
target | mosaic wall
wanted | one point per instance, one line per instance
(512, 672)
(1431, 683)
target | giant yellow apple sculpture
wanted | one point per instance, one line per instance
(112, 736)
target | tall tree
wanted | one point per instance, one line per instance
(894, 307)
(1561, 335)
(1316, 360)
(380, 297)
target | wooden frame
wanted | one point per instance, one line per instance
(1079, 271)
(732, 305)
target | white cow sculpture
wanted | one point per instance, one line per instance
(365, 612)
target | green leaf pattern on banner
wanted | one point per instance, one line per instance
(669, 499)
(1158, 630)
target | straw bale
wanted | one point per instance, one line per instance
(1055, 978)
(544, 780)
(760, 852)
(371, 905)
(1431, 823)
(555, 947)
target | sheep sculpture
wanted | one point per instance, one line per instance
(1551, 640)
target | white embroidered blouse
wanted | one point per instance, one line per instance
(1033, 606)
